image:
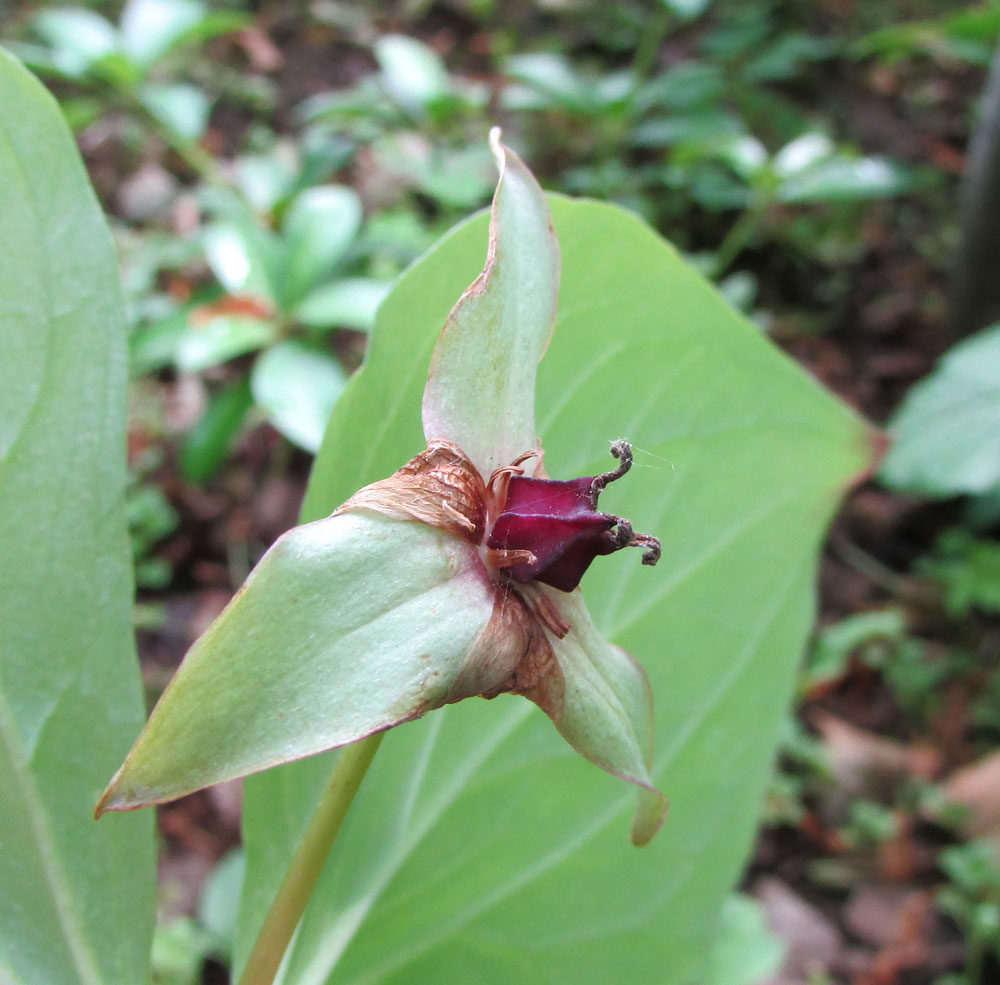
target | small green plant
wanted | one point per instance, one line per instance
(872, 637)
(803, 768)
(150, 519)
(278, 296)
(422, 124)
(868, 824)
(972, 899)
(710, 156)
(960, 36)
(968, 569)
(283, 292)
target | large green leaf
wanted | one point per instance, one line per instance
(481, 848)
(76, 897)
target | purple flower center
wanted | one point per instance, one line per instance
(558, 523)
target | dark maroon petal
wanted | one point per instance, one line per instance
(563, 546)
(559, 523)
(550, 497)
(565, 572)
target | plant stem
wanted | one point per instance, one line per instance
(190, 151)
(872, 568)
(644, 60)
(307, 862)
(975, 291)
(734, 242)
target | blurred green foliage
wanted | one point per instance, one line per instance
(276, 258)
(972, 899)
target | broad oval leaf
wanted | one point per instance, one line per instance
(207, 343)
(845, 179)
(946, 435)
(687, 10)
(180, 107)
(349, 303)
(479, 838)
(77, 898)
(150, 28)
(412, 72)
(549, 80)
(80, 38)
(241, 255)
(801, 153)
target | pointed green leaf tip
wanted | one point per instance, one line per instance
(480, 390)
(347, 626)
(607, 709)
(374, 616)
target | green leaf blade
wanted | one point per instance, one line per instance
(178, 106)
(78, 897)
(80, 38)
(349, 303)
(297, 386)
(150, 28)
(505, 315)
(412, 73)
(208, 343)
(347, 626)
(946, 435)
(319, 228)
(242, 254)
(206, 444)
(845, 179)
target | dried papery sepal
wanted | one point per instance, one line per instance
(513, 655)
(440, 487)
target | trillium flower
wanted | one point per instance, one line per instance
(455, 577)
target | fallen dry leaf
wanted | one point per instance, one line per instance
(868, 765)
(813, 941)
(977, 788)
